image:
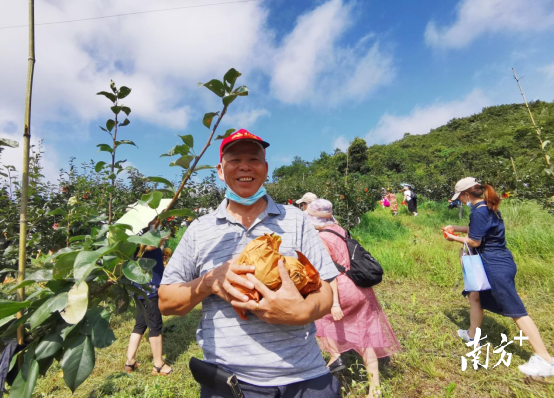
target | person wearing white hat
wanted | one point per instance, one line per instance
(486, 233)
(305, 200)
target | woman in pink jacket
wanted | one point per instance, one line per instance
(357, 321)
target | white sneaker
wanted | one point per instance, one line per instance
(537, 367)
(464, 335)
(416, 214)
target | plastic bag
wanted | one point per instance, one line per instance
(263, 253)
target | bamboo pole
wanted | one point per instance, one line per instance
(25, 170)
(537, 129)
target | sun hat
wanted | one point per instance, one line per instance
(320, 213)
(464, 184)
(241, 134)
(307, 198)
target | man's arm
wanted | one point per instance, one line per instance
(286, 306)
(181, 298)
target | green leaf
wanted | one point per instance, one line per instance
(8, 142)
(85, 262)
(123, 92)
(214, 86)
(78, 238)
(177, 150)
(208, 117)
(99, 166)
(228, 99)
(97, 325)
(78, 360)
(26, 379)
(161, 180)
(42, 313)
(125, 123)
(64, 265)
(126, 110)
(133, 271)
(58, 212)
(8, 307)
(105, 148)
(77, 303)
(151, 238)
(20, 285)
(230, 78)
(109, 96)
(42, 275)
(6, 320)
(110, 124)
(116, 109)
(227, 134)
(204, 167)
(177, 213)
(183, 162)
(112, 86)
(188, 140)
(124, 142)
(152, 199)
(49, 346)
(241, 91)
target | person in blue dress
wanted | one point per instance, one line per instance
(486, 233)
(153, 320)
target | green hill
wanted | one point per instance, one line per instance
(482, 145)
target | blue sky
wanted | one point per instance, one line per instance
(320, 72)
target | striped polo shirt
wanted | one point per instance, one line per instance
(257, 352)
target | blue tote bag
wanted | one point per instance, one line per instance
(475, 278)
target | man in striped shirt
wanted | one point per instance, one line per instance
(274, 353)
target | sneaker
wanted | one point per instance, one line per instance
(464, 335)
(537, 367)
(416, 214)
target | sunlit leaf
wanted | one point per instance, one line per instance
(161, 180)
(9, 143)
(77, 303)
(8, 307)
(230, 78)
(133, 271)
(151, 238)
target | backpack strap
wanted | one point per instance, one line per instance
(334, 232)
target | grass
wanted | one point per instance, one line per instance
(421, 296)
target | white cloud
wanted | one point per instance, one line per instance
(246, 119)
(548, 70)
(422, 119)
(311, 65)
(475, 18)
(341, 142)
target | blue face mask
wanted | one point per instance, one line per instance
(229, 194)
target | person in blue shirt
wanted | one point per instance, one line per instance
(486, 233)
(154, 317)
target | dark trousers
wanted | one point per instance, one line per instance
(154, 321)
(326, 386)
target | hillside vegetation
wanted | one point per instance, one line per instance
(482, 145)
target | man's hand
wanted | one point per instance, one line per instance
(284, 306)
(220, 280)
(337, 313)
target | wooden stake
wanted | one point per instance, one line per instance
(537, 129)
(25, 171)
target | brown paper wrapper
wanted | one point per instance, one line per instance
(263, 253)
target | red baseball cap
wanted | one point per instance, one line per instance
(241, 134)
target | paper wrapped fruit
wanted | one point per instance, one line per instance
(263, 253)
